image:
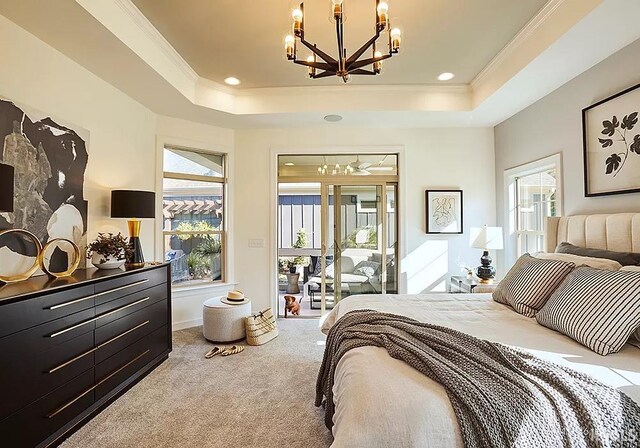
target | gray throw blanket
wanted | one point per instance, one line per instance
(502, 397)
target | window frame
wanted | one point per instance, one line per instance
(219, 180)
(510, 205)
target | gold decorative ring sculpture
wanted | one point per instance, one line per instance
(36, 264)
(71, 269)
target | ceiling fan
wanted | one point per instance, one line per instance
(358, 168)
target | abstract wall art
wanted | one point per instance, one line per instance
(444, 211)
(50, 160)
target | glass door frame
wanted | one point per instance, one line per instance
(381, 185)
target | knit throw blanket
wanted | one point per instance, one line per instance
(502, 397)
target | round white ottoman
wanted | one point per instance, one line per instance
(222, 322)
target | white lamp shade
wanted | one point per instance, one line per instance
(487, 238)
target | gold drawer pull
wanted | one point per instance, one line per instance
(88, 352)
(93, 319)
(115, 372)
(120, 288)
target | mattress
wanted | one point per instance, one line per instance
(382, 402)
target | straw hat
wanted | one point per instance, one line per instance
(235, 298)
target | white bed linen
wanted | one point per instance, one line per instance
(382, 402)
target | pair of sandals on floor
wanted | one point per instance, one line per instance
(224, 351)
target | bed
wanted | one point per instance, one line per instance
(381, 401)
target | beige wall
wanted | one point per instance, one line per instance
(434, 158)
(121, 131)
(554, 125)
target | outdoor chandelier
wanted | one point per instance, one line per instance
(321, 65)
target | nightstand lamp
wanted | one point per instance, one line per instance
(486, 238)
(133, 205)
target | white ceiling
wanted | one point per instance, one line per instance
(114, 40)
(244, 38)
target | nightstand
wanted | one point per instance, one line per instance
(462, 284)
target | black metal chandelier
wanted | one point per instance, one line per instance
(343, 66)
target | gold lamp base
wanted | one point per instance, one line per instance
(136, 258)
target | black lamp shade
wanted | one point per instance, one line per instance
(133, 204)
(6, 188)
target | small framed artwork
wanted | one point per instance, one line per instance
(444, 211)
(611, 145)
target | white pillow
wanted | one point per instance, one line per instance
(599, 309)
(631, 268)
(596, 263)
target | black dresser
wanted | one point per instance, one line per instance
(71, 346)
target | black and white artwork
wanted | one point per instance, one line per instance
(611, 134)
(50, 160)
(444, 211)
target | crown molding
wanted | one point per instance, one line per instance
(518, 40)
(141, 21)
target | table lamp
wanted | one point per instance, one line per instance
(6, 188)
(133, 205)
(486, 238)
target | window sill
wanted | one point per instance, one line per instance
(204, 287)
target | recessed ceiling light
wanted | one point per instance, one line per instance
(446, 76)
(288, 164)
(232, 81)
(332, 118)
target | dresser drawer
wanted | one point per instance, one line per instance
(27, 313)
(109, 290)
(116, 369)
(36, 422)
(27, 375)
(115, 336)
(131, 303)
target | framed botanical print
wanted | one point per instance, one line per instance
(444, 211)
(611, 143)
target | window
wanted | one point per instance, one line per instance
(535, 200)
(533, 193)
(193, 208)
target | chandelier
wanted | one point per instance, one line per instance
(321, 65)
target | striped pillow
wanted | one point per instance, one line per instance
(530, 283)
(599, 309)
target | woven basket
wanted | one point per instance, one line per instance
(261, 327)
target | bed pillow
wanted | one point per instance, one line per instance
(530, 283)
(599, 309)
(596, 263)
(624, 258)
(367, 268)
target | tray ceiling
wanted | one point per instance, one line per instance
(244, 38)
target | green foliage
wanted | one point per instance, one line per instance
(285, 264)
(208, 248)
(371, 243)
(199, 266)
(198, 226)
(109, 245)
(301, 243)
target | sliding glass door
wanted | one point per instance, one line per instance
(359, 250)
(346, 206)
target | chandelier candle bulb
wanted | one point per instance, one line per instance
(297, 21)
(383, 15)
(337, 8)
(377, 66)
(312, 70)
(289, 45)
(396, 39)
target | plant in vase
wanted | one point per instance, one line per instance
(108, 251)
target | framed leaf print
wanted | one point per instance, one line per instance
(444, 211)
(611, 143)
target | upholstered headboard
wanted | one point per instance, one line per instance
(618, 232)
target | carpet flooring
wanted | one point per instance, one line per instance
(262, 397)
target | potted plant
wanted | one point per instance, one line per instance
(108, 251)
